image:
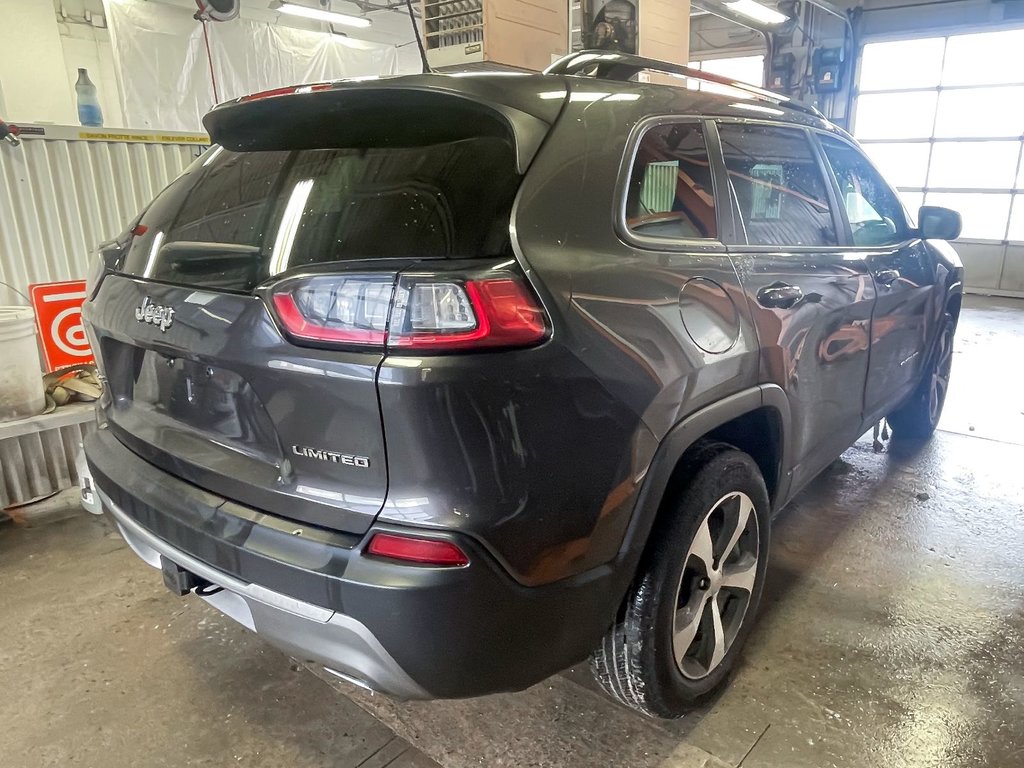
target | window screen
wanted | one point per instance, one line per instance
(778, 186)
(670, 190)
(875, 213)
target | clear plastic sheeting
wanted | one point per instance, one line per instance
(162, 60)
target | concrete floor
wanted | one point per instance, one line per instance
(892, 634)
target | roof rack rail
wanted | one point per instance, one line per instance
(613, 65)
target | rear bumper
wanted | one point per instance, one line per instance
(307, 631)
(412, 632)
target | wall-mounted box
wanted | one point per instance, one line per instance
(490, 34)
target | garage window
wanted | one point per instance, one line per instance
(745, 69)
(945, 125)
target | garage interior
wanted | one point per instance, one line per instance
(891, 631)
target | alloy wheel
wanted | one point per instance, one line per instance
(940, 374)
(716, 585)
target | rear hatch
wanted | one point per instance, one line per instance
(337, 192)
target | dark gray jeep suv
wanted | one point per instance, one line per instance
(447, 383)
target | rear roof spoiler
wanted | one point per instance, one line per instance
(335, 115)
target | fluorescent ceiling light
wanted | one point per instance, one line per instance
(319, 14)
(754, 10)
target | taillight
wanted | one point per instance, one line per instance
(435, 315)
(422, 313)
(347, 310)
(412, 549)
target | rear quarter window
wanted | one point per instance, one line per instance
(670, 193)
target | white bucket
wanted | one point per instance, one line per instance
(21, 377)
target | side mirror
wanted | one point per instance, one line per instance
(934, 223)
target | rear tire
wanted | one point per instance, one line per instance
(917, 418)
(692, 604)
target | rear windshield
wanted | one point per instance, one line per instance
(235, 219)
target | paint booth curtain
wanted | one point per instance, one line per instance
(165, 76)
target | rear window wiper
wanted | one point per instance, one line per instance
(189, 256)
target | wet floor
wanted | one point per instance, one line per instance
(892, 634)
(986, 398)
(101, 666)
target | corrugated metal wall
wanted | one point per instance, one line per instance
(60, 198)
(37, 456)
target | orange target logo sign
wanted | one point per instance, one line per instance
(58, 308)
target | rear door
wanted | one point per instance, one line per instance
(658, 302)
(811, 300)
(903, 271)
(206, 379)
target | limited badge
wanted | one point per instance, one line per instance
(333, 456)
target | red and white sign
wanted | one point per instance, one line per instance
(58, 308)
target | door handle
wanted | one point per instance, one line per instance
(779, 296)
(887, 276)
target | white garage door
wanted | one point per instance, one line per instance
(943, 117)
